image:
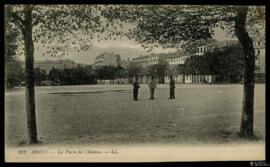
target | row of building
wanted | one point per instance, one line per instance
(110, 59)
(180, 57)
(172, 60)
(47, 65)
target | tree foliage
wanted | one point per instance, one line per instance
(14, 74)
(74, 76)
(57, 28)
(13, 70)
(110, 72)
(227, 63)
(11, 35)
(158, 71)
(40, 75)
(176, 26)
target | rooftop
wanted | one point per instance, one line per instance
(141, 57)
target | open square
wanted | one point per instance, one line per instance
(86, 115)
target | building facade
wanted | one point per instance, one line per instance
(107, 59)
(125, 63)
(180, 57)
(201, 50)
(141, 61)
(47, 65)
(174, 59)
(259, 47)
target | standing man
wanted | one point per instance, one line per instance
(136, 87)
(152, 86)
(172, 88)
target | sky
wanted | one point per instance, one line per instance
(125, 47)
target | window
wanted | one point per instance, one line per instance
(258, 52)
(258, 43)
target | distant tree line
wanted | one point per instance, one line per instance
(225, 63)
(14, 74)
(110, 72)
(73, 76)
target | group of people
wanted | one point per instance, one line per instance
(152, 86)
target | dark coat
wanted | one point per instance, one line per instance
(136, 85)
(172, 85)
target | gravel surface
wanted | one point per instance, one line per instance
(99, 114)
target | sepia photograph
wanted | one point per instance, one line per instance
(134, 83)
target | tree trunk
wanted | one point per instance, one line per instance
(29, 77)
(246, 129)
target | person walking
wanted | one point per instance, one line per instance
(136, 87)
(172, 88)
(152, 86)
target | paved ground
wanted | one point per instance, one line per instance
(107, 114)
